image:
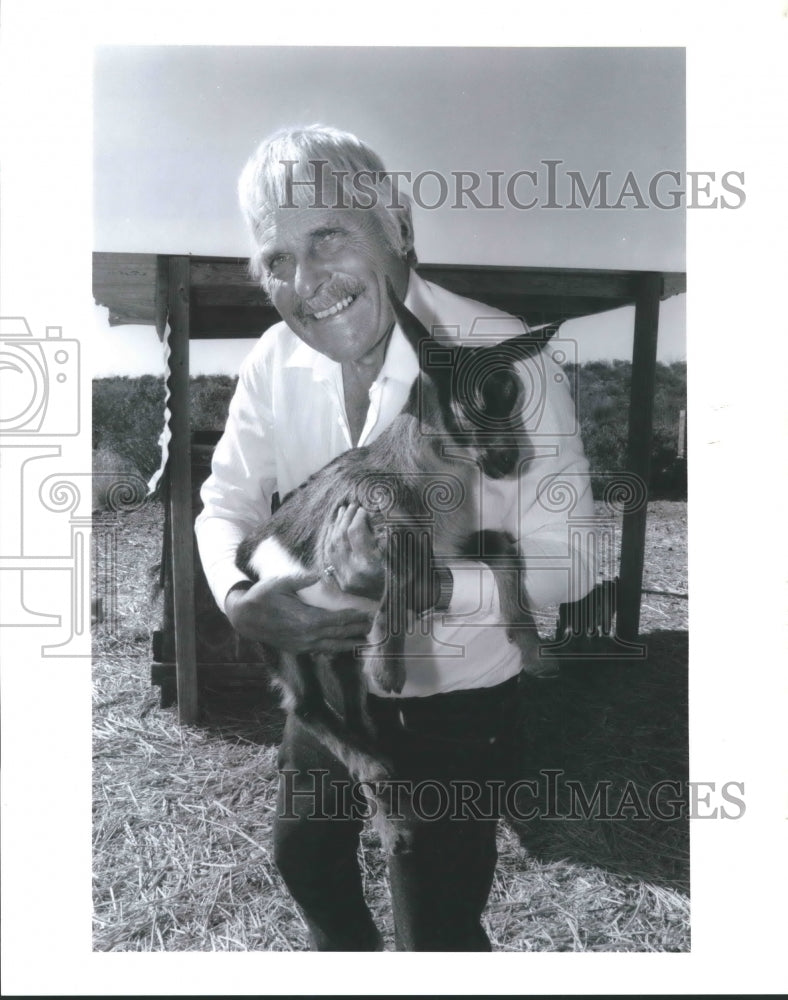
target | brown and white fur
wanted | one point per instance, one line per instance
(417, 482)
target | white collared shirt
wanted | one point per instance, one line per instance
(287, 420)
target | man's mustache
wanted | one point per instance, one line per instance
(335, 292)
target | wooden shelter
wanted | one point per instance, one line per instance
(213, 297)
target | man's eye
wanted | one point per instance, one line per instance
(277, 262)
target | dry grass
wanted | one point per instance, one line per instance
(182, 815)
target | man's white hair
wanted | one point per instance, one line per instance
(282, 173)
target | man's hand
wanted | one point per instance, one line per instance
(358, 565)
(272, 613)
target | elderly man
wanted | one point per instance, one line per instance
(329, 229)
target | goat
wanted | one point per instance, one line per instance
(416, 484)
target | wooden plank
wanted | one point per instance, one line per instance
(673, 283)
(229, 295)
(131, 285)
(245, 320)
(182, 529)
(224, 322)
(537, 309)
(241, 671)
(615, 287)
(231, 271)
(641, 414)
(216, 282)
(126, 284)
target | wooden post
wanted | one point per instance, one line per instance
(641, 418)
(682, 436)
(181, 526)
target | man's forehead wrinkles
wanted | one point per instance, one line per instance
(307, 221)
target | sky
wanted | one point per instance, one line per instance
(173, 126)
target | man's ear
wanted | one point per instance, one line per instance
(407, 238)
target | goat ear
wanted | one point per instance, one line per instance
(412, 327)
(524, 345)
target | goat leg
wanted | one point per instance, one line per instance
(306, 701)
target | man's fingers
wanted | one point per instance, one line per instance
(353, 525)
(338, 546)
(360, 534)
(272, 612)
(344, 516)
(358, 522)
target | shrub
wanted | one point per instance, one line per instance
(128, 415)
(602, 400)
(117, 483)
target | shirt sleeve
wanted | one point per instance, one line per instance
(237, 494)
(555, 510)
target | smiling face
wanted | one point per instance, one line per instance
(325, 271)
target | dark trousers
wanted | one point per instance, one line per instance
(450, 750)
